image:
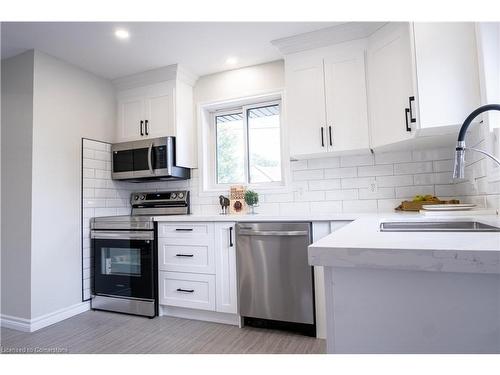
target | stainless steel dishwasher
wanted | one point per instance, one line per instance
(275, 281)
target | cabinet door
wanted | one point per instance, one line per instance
(390, 84)
(447, 72)
(160, 111)
(225, 268)
(346, 108)
(130, 115)
(305, 105)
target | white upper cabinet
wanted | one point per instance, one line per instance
(390, 84)
(345, 96)
(158, 103)
(305, 104)
(447, 74)
(130, 117)
(159, 106)
(326, 100)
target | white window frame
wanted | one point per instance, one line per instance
(208, 178)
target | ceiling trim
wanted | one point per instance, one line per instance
(149, 77)
(327, 36)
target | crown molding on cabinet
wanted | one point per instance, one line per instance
(166, 73)
(327, 36)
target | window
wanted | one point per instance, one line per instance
(248, 145)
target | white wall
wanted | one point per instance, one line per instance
(16, 150)
(69, 104)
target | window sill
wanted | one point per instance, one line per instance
(216, 191)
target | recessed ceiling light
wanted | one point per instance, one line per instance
(122, 34)
(231, 60)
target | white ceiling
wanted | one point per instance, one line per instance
(201, 47)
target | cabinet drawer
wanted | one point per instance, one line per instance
(195, 291)
(181, 255)
(186, 230)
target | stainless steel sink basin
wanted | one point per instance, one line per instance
(437, 226)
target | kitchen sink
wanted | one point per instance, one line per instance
(437, 226)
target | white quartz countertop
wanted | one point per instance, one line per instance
(361, 244)
(259, 217)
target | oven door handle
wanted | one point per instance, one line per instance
(122, 235)
(150, 160)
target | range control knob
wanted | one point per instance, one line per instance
(143, 197)
(136, 197)
(180, 195)
(173, 196)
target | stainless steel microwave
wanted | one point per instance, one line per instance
(144, 160)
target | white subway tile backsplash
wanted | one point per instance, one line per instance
(376, 170)
(357, 182)
(309, 196)
(356, 160)
(102, 174)
(309, 174)
(411, 191)
(341, 195)
(412, 168)
(442, 165)
(380, 193)
(393, 157)
(433, 178)
(359, 206)
(341, 172)
(281, 197)
(389, 181)
(102, 155)
(324, 184)
(326, 207)
(388, 205)
(434, 154)
(294, 208)
(95, 145)
(323, 163)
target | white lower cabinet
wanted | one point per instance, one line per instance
(197, 266)
(225, 268)
(195, 291)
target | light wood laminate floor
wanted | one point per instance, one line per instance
(104, 332)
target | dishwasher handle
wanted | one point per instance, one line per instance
(246, 232)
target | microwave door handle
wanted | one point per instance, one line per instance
(150, 161)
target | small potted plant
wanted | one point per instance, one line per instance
(252, 200)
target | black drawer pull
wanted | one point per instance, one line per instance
(184, 229)
(184, 255)
(142, 133)
(185, 290)
(146, 127)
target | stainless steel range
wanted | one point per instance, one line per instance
(124, 253)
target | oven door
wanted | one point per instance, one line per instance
(123, 264)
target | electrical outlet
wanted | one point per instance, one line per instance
(373, 186)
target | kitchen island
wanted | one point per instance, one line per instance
(410, 292)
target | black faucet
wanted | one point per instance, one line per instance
(458, 169)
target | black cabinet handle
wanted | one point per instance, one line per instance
(184, 229)
(411, 100)
(146, 127)
(407, 112)
(330, 135)
(231, 237)
(322, 138)
(185, 290)
(142, 133)
(184, 255)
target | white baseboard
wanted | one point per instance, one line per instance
(31, 325)
(205, 315)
